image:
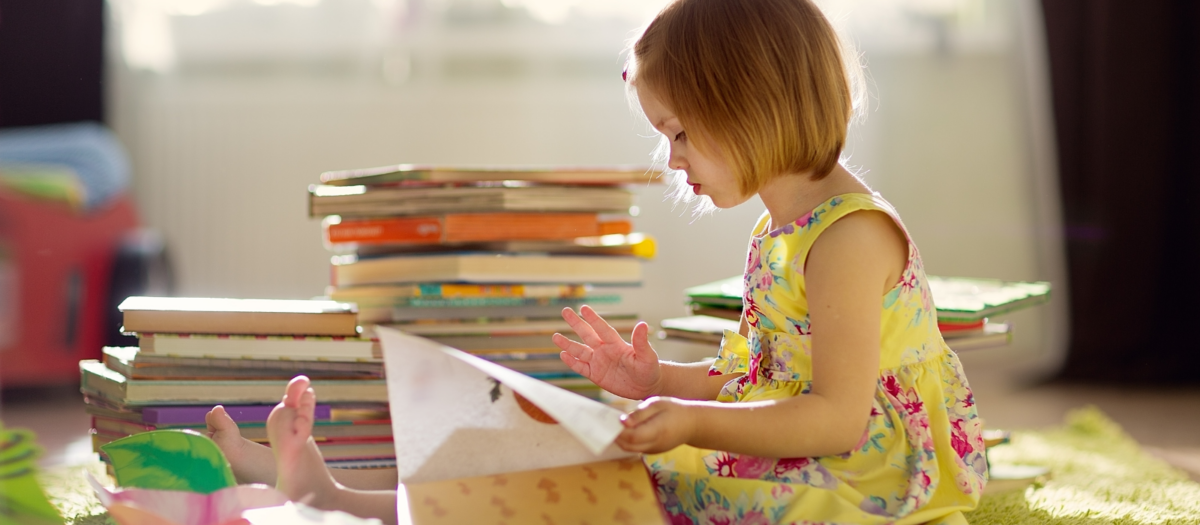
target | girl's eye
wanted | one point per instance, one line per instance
(681, 135)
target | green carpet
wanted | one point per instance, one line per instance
(1098, 476)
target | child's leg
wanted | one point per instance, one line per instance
(301, 472)
(254, 463)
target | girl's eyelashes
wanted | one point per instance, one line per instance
(680, 136)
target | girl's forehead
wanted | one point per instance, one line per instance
(656, 111)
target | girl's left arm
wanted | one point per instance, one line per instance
(849, 268)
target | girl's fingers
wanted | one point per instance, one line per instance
(603, 330)
(646, 411)
(580, 367)
(576, 349)
(582, 328)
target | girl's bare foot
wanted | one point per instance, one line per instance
(300, 470)
(251, 462)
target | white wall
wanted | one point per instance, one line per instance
(224, 145)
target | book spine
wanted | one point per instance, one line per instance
(397, 230)
(194, 415)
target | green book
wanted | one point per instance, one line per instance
(957, 299)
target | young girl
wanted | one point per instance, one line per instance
(837, 401)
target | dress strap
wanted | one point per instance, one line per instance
(829, 212)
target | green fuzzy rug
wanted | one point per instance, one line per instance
(1098, 476)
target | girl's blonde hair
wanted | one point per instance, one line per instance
(761, 81)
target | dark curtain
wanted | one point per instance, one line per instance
(1125, 80)
(51, 61)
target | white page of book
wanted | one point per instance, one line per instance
(455, 415)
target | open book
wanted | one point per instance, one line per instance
(477, 418)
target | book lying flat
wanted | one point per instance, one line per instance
(330, 450)
(486, 268)
(97, 380)
(493, 344)
(633, 244)
(296, 348)
(363, 201)
(486, 302)
(467, 227)
(957, 299)
(961, 299)
(195, 315)
(371, 293)
(131, 363)
(701, 328)
(424, 173)
(993, 335)
(407, 314)
(257, 431)
(482, 326)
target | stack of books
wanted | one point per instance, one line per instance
(195, 353)
(484, 260)
(963, 308)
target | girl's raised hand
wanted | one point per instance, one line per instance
(627, 370)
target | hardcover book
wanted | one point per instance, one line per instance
(420, 173)
(957, 299)
(131, 363)
(468, 227)
(349, 270)
(363, 201)
(300, 348)
(195, 315)
(97, 380)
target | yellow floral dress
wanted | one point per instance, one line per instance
(922, 457)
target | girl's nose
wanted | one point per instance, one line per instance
(676, 161)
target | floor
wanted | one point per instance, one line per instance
(1165, 421)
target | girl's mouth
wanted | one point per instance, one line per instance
(696, 189)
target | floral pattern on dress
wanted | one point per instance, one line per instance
(923, 424)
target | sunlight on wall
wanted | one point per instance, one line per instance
(230, 108)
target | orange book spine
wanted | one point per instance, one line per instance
(414, 230)
(472, 227)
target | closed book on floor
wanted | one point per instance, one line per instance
(389, 293)
(957, 299)
(195, 315)
(486, 268)
(363, 201)
(701, 328)
(96, 379)
(483, 326)
(424, 173)
(322, 430)
(298, 348)
(468, 227)
(634, 244)
(960, 299)
(131, 363)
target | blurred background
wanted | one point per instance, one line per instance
(222, 112)
(230, 108)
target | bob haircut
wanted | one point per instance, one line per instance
(762, 81)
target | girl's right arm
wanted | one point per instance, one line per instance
(631, 370)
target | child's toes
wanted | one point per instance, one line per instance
(218, 421)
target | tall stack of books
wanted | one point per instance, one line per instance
(963, 308)
(195, 353)
(484, 260)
